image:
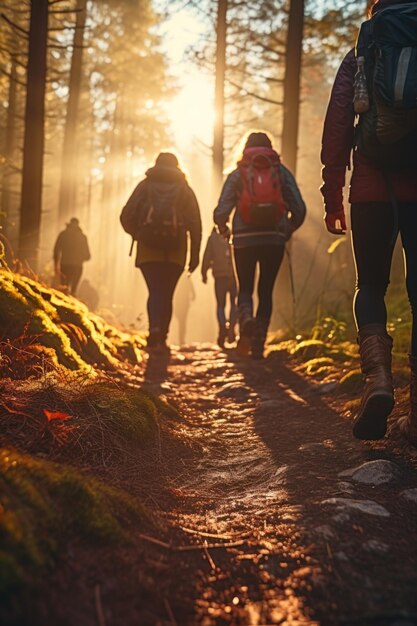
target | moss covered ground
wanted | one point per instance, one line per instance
(73, 421)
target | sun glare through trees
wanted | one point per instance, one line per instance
(208, 341)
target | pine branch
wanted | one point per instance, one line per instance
(10, 22)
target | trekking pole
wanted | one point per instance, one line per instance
(131, 247)
(292, 283)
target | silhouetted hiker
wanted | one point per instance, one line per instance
(269, 208)
(158, 215)
(70, 252)
(218, 257)
(184, 296)
(383, 192)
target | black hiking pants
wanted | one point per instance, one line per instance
(71, 275)
(269, 259)
(375, 228)
(161, 279)
(224, 285)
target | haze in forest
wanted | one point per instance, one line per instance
(92, 91)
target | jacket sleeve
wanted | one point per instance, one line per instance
(194, 224)
(129, 217)
(295, 203)
(228, 198)
(207, 257)
(338, 135)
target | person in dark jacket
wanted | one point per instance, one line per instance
(70, 252)
(165, 191)
(218, 257)
(375, 224)
(258, 246)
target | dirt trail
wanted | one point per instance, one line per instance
(263, 451)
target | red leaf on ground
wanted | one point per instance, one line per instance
(56, 415)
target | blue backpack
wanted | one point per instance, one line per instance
(387, 132)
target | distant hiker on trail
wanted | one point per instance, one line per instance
(70, 252)
(218, 257)
(159, 214)
(268, 209)
(377, 82)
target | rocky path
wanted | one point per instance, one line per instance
(279, 516)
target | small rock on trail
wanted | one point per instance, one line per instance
(376, 472)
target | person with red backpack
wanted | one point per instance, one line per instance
(268, 209)
(162, 215)
(373, 113)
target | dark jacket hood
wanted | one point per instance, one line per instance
(163, 174)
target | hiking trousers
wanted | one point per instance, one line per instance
(71, 275)
(268, 258)
(375, 228)
(161, 278)
(223, 286)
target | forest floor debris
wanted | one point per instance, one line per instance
(202, 489)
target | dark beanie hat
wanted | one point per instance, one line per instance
(258, 140)
(166, 159)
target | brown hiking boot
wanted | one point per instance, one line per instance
(408, 424)
(378, 397)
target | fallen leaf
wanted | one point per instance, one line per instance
(56, 415)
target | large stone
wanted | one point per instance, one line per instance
(410, 495)
(376, 472)
(364, 506)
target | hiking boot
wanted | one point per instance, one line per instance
(231, 335)
(378, 396)
(408, 424)
(258, 341)
(243, 346)
(154, 338)
(247, 324)
(222, 336)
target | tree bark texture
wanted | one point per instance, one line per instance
(9, 145)
(33, 146)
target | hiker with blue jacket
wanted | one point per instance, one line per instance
(163, 217)
(372, 114)
(218, 258)
(268, 208)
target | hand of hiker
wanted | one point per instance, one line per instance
(224, 231)
(332, 220)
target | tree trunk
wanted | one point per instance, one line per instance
(9, 148)
(68, 186)
(33, 145)
(218, 136)
(292, 82)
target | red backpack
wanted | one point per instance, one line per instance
(261, 203)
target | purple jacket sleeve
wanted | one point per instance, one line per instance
(338, 135)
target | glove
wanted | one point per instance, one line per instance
(194, 261)
(224, 231)
(204, 278)
(331, 219)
